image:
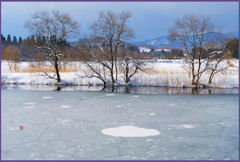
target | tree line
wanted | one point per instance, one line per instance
(104, 53)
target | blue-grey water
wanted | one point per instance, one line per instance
(67, 125)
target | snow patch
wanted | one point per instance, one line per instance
(130, 131)
(28, 103)
(119, 106)
(12, 128)
(47, 97)
(135, 96)
(65, 106)
(188, 126)
(110, 94)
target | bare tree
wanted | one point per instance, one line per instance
(129, 65)
(198, 35)
(55, 26)
(107, 33)
(220, 63)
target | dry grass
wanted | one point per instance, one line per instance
(162, 77)
(46, 69)
(164, 72)
(35, 68)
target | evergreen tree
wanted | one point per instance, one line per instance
(39, 39)
(59, 42)
(163, 52)
(9, 38)
(15, 39)
(233, 46)
(28, 40)
(20, 40)
(43, 39)
(3, 38)
(32, 38)
(180, 54)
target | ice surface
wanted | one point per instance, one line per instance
(198, 127)
(130, 131)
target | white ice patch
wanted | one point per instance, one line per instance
(135, 96)
(12, 128)
(47, 97)
(130, 131)
(152, 114)
(110, 94)
(29, 103)
(188, 126)
(65, 106)
(119, 106)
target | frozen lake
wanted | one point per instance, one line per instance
(74, 125)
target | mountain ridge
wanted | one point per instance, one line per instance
(163, 41)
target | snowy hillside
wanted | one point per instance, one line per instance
(159, 41)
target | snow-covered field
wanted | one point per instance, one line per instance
(161, 73)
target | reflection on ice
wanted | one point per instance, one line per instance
(123, 89)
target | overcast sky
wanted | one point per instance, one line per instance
(150, 19)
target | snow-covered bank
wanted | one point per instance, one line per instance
(169, 74)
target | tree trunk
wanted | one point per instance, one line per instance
(113, 81)
(193, 76)
(57, 72)
(116, 67)
(210, 78)
(127, 79)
